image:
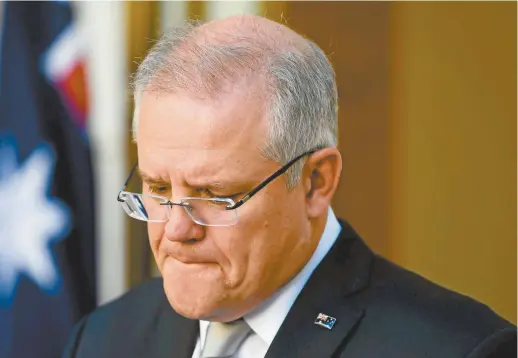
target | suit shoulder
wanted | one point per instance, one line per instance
(147, 297)
(428, 313)
(128, 318)
(418, 292)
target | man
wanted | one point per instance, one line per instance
(236, 128)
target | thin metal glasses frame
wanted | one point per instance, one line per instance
(247, 196)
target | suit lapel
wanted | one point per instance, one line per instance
(344, 271)
(175, 336)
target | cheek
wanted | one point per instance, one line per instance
(234, 249)
(155, 232)
(263, 226)
(277, 225)
(279, 210)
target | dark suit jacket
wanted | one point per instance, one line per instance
(381, 310)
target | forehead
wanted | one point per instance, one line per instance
(175, 130)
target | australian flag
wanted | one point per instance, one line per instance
(47, 278)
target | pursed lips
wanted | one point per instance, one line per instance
(188, 258)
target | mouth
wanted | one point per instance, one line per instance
(188, 259)
(186, 255)
(193, 262)
(189, 267)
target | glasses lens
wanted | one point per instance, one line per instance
(144, 207)
(211, 212)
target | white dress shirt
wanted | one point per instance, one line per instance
(266, 320)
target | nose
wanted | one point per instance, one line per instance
(180, 226)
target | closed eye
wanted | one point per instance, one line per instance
(209, 194)
(158, 189)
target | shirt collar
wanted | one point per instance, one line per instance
(266, 320)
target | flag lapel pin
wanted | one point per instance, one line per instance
(325, 321)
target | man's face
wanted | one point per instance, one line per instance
(188, 146)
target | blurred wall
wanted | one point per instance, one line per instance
(102, 25)
(453, 99)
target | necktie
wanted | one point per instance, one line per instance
(223, 339)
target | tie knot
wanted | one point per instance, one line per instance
(223, 339)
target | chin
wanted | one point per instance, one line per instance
(192, 306)
(189, 311)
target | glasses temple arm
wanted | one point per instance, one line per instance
(268, 180)
(126, 182)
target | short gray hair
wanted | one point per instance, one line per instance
(302, 96)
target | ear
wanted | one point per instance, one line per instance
(320, 177)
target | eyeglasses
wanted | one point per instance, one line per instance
(203, 211)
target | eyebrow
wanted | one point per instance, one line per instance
(216, 184)
(149, 178)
